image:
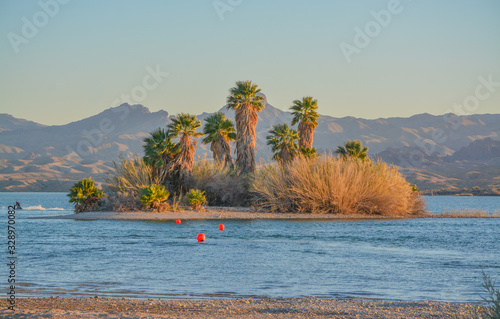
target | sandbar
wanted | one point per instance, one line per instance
(219, 213)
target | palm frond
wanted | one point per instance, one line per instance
(353, 149)
(218, 125)
(305, 111)
(283, 140)
(186, 124)
(245, 92)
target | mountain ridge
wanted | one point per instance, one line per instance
(32, 155)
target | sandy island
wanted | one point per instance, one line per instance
(220, 213)
(96, 307)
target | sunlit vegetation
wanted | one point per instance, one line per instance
(334, 185)
(469, 213)
(196, 198)
(154, 197)
(84, 195)
(298, 180)
(353, 149)
(283, 142)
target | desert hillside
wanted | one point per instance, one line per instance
(434, 152)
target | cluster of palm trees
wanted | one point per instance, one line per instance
(283, 139)
(170, 158)
(167, 157)
(176, 159)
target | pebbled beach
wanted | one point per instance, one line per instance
(96, 307)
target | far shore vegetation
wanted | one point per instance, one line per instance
(299, 180)
(473, 191)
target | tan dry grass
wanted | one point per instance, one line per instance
(223, 186)
(331, 185)
(129, 176)
(124, 183)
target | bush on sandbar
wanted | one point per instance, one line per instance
(124, 184)
(333, 185)
(85, 195)
(155, 197)
(196, 199)
(223, 186)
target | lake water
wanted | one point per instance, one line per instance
(416, 259)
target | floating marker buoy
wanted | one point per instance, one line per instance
(178, 221)
(221, 227)
(201, 237)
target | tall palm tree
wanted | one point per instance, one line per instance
(246, 103)
(304, 113)
(354, 149)
(159, 152)
(219, 130)
(184, 127)
(283, 141)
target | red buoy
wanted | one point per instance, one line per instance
(178, 221)
(201, 237)
(221, 227)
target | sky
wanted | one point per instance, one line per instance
(64, 60)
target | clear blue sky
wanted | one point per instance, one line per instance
(83, 58)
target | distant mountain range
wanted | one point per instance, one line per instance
(433, 152)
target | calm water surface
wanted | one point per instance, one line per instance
(417, 259)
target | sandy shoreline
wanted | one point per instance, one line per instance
(217, 213)
(239, 308)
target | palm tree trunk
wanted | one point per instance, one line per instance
(221, 151)
(225, 152)
(186, 156)
(286, 155)
(306, 132)
(180, 168)
(246, 122)
(216, 149)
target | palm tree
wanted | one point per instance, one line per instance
(184, 127)
(219, 130)
(159, 153)
(353, 149)
(284, 143)
(246, 103)
(304, 113)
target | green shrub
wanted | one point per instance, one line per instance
(334, 185)
(85, 195)
(196, 198)
(154, 196)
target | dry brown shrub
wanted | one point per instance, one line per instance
(331, 185)
(223, 186)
